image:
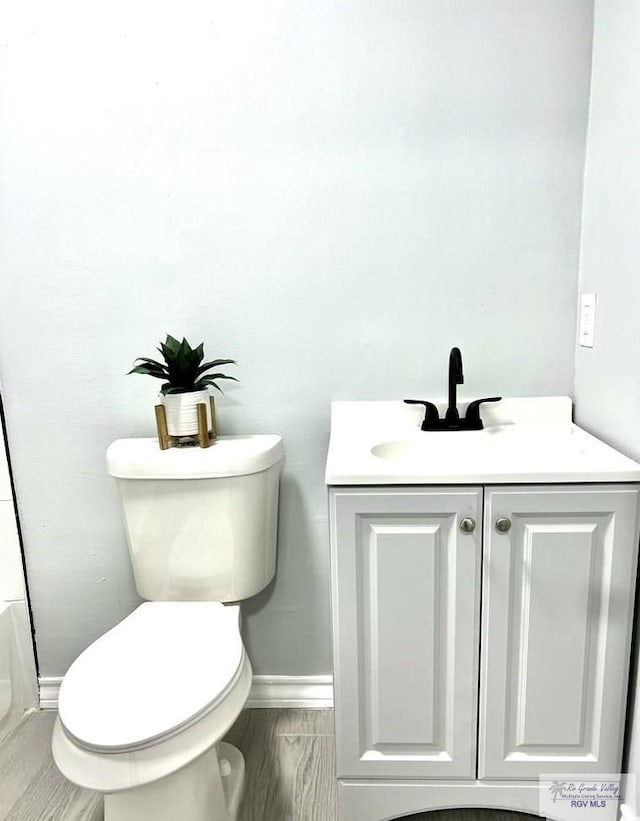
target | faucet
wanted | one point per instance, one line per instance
(451, 419)
(456, 377)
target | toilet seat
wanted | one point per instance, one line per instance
(115, 771)
(154, 674)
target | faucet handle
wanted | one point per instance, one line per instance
(472, 416)
(431, 414)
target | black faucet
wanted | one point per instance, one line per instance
(451, 420)
(456, 377)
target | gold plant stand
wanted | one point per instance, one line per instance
(204, 437)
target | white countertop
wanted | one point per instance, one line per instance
(525, 440)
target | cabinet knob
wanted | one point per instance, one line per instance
(503, 525)
(467, 525)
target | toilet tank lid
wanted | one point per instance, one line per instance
(227, 456)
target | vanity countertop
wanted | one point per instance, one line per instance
(525, 440)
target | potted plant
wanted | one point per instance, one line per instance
(186, 383)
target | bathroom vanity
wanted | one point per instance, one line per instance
(482, 587)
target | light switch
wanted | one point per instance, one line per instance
(587, 326)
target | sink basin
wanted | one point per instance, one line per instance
(528, 440)
(433, 446)
(427, 447)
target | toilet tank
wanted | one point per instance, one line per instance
(201, 523)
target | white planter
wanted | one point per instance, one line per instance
(182, 414)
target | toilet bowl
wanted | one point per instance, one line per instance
(142, 710)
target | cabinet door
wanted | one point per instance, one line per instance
(558, 593)
(405, 584)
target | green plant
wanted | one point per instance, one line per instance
(183, 368)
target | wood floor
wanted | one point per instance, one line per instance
(290, 764)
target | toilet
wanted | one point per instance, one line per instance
(142, 710)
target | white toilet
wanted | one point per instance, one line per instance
(143, 709)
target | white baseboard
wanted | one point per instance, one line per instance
(49, 689)
(303, 692)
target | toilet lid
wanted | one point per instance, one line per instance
(156, 671)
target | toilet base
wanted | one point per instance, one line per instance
(209, 788)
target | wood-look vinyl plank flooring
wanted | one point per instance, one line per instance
(290, 763)
(31, 788)
(290, 760)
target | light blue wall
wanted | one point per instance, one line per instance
(608, 377)
(332, 193)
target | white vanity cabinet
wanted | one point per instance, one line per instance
(481, 638)
(406, 605)
(557, 606)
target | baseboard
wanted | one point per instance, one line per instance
(49, 689)
(302, 692)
